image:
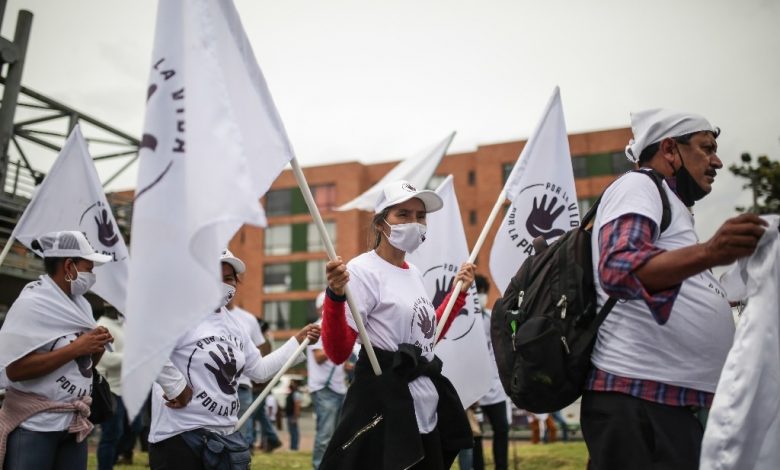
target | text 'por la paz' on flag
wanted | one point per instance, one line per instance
(213, 143)
(463, 350)
(417, 170)
(542, 194)
(72, 198)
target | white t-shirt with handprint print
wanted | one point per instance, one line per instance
(68, 382)
(396, 309)
(212, 356)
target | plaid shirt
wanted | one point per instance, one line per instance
(626, 245)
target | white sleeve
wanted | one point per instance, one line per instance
(364, 295)
(254, 331)
(262, 369)
(632, 194)
(171, 380)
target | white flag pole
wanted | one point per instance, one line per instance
(315, 213)
(251, 410)
(473, 256)
(6, 249)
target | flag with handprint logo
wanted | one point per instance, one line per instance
(212, 145)
(463, 350)
(72, 198)
(542, 194)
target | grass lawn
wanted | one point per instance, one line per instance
(559, 456)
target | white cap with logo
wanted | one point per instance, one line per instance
(70, 244)
(400, 191)
(654, 125)
(227, 257)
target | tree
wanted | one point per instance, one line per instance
(764, 179)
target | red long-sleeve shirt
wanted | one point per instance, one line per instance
(338, 338)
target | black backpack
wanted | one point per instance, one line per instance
(545, 325)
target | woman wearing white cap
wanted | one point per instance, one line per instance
(50, 344)
(410, 416)
(210, 359)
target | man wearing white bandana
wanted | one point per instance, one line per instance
(50, 345)
(660, 350)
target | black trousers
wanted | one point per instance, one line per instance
(624, 432)
(173, 454)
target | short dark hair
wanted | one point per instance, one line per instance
(650, 151)
(51, 264)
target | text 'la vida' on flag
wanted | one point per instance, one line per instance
(213, 143)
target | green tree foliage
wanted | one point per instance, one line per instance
(764, 179)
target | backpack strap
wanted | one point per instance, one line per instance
(666, 211)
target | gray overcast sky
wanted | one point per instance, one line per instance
(371, 81)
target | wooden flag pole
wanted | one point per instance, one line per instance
(315, 213)
(473, 256)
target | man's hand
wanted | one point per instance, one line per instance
(182, 400)
(736, 238)
(311, 331)
(337, 275)
(92, 342)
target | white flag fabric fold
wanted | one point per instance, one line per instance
(72, 198)
(213, 143)
(417, 170)
(542, 194)
(743, 427)
(463, 350)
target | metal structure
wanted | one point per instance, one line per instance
(33, 129)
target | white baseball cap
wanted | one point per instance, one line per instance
(400, 191)
(654, 125)
(237, 264)
(70, 244)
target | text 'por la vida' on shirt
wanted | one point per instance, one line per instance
(213, 356)
(396, 309)
(689, 350)
(69, 382)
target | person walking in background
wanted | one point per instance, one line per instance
(327, 385)
(117, 433)
(493, 404)
(292, 410)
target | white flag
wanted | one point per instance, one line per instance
(541, 189)
(72, 198)
(213, 143)
(743, 427)
(463, 350)
(417, 170)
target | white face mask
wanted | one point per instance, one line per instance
(406, 237)
(82, 283)
(228, 292)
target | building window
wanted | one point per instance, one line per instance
(315, 275)
(435, 182)
(473, 217)
(278, 239)
(324, 196)
(621, 164)
(506, 169)
(314, 241)
(278, 202)
(277, 278)
(277, 314)
(580, 167)
(600, 164)
(472, 178)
